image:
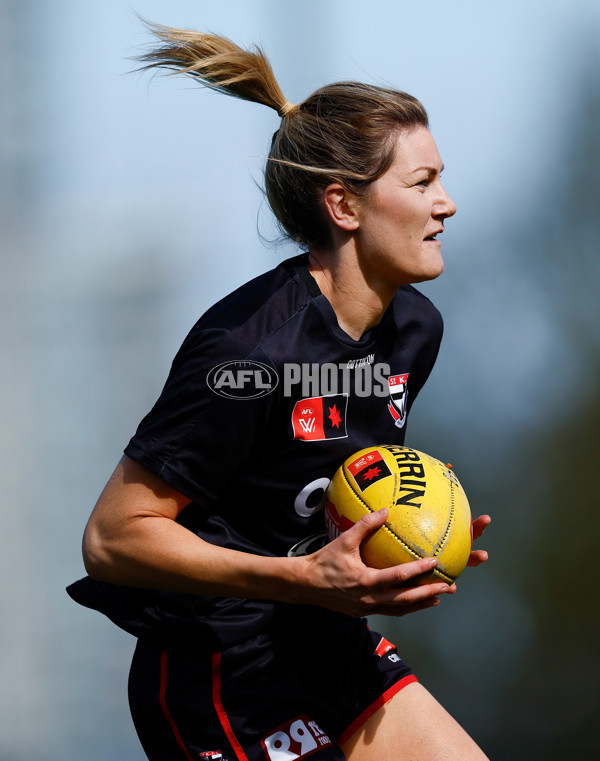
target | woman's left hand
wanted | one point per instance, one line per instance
(477, 557)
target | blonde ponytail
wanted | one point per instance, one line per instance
(344, 132)
(219, 63)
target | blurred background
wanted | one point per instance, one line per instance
(129, 204)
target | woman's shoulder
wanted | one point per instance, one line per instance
(239, 323)
(409, 297)
(411, 305)
(277, 294)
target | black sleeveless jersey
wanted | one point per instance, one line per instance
(265, 399)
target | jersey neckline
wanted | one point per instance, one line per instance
(324, 306)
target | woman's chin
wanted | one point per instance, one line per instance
(433, 270)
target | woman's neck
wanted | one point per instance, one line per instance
(358, 304)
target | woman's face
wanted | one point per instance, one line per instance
(402, 213)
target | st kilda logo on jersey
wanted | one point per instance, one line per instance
(369, 469)
(320, 417)
(398, 405)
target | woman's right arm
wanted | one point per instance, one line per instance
(132, 538)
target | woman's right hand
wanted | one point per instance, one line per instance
(336, 577)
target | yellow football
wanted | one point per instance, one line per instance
(429, 514)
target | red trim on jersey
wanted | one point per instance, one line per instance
(375, 706)
(222, 714)
(384, 647)
(164, 656)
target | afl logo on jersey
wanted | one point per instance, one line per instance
(242, 379)
(320, 417)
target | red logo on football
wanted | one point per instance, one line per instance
(334, 522)
(369, 469)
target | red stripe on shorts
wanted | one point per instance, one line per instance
(375, 706)
(164, 657)
(222, 714)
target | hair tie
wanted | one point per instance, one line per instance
(285, 109)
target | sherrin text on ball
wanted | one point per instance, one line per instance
(429, 514)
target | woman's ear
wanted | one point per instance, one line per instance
(341, 207)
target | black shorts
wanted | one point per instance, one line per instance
(277, 697)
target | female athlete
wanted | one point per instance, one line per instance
(205, 543)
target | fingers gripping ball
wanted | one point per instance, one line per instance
(429, 514)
